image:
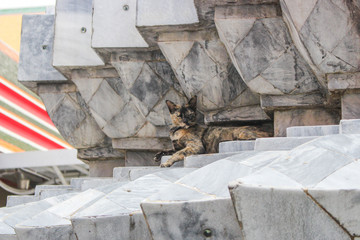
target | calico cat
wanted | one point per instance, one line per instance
(190, 138)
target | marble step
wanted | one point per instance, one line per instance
(46, 191)
(119, 212)
(351, 126)
(203, 193)
(307, 131)
(53, 222)
(280, 143)
(85, 183)
(14, 200)
(132, 173)
(236, 146)
(198, 161)
(10, 216)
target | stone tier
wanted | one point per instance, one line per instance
(107, 67)
(313, 180)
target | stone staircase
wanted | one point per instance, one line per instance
(194, 201)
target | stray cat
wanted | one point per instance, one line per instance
(189, 138)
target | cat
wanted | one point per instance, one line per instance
(189, 138)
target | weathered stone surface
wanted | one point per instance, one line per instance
(140, 158)
(343, 81)
(73, 30)
(71, 116)
(299, 11)
(157, 13)
(14, 200)
(303, 117)
(114, 27)
(237, 114)
(236, 146)
(143, 143)
(286, 101)
(306, 131)
(280, 143)
(260, 49)
(197, 161)
(100, 153)
(350, 126)
(350, 103)
(132, 173)
(295, 214)
(37, 37)
(104, 168)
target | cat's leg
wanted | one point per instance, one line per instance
(190, 149)
(158, 156)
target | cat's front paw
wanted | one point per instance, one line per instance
(158, 156)
(165, 164)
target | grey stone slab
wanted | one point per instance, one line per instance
(306, 131)
(291, 74)
(169, 220)
(148, 88)
(126, 123)
(309, 165)
(340, 81)
(346, 178)
(257, 159)
(299, 12)
(280, 143)
(315, 36)
(259, 53)
(310, 100)
(37, 37)
(236, 146)
(132, 173)
(117, 211)
(196, 69)
(348, 50)
(48, 193)
(342, 205)
(40, 188)
(333, 64)
(18, 200)
(7, 232)
(347, 144)
(140, 158)
(73, 30)
(350, 106)
(283, 214)
(226, 171)
(94, 183)
(303, 117)
(198, 161)
(114, 25)
(173, 175)
(350, 126)
(142, 143)
(241, 114)
(54, 222)
(159, 12)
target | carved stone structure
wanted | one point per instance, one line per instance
(104, 68)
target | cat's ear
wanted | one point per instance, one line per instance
(172, 106)
(192, 103)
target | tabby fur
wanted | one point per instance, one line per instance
(190, 138)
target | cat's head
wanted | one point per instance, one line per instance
(185, 115)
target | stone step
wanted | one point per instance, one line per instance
(132, 173)
(351, 126)
(14, 200)
(236, 146)
(280, 143)
(307, 131)
(198, 161)
(10, 216)
(85, 183)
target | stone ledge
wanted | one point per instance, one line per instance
(338, 81)
(271, 102)
(100, 153)
(142, 143)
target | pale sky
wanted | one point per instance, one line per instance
(9, 4)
